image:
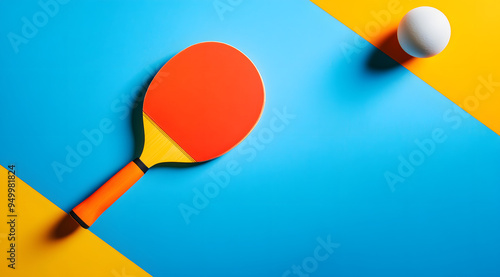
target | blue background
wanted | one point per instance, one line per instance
(321, 176)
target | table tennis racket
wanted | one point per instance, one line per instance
(202, 103)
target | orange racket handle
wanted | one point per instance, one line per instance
(92, 207)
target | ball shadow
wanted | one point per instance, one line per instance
(389, 55)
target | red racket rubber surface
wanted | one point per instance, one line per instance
(207, 98)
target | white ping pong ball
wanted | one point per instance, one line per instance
(424, 32)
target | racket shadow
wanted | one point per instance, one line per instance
(63, 227)
(136, 119)
(181, 165)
